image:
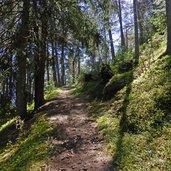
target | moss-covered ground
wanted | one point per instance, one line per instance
(29, 146)
(136, 120)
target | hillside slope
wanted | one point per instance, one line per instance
(136, 122)
(61, 136)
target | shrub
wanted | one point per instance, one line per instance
(117, 82)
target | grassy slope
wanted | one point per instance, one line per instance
(32, 144)
(136, 122)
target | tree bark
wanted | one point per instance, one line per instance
(79, 62)
(73, 70)
(136, 54)
(21, 41)
(54, 65)
(168, 15)
(47, 65)
(111, 45)
(29, 85)
(121, 26)
(79, 66)
(62, 65)
(105, 47)
(140, 19)
(40, 60)
(57, 65)
(11, 84)
(126, 41)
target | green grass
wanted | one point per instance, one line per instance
(30, 107)
(116, 83)
(52, 94)
(31, 150)
(33, 146)
(146, 150)
(49, 95)
(136, 122)
(88, 90)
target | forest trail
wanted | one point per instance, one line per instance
(78, 146)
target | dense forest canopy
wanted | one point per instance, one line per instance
(47, 42)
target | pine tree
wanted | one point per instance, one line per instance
(168, 15)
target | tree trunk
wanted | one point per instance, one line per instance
(57, 65)
(62, 65)
(79, 62)
(126, 41)
(93, 58)
(79, 66)
(121, 26)
(105, 47)
(168, 15)
(54, 65)
(73, 70)
(40, 60)
(21, 41)
(29, 85)
(136, 55)
(11, 84)
(111, 44)
(47, 65)
(140, 19)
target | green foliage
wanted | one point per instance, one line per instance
(52, 94)
(91, 90)
(3, 75)
(7, 110)
(51, 91)
(136, 122)
(159, 17)
(30, 107)
(150, 96)
(148, 150)
(96, 88)
(125, 66)
(121, 65)
(116, 83)
(31, 150)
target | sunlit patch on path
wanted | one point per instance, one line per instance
(77, 144)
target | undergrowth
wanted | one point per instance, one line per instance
(50, 93)
(31, 150)
(29, 146)
(136, 122)
(89, 89)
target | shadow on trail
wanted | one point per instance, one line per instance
(77, 144)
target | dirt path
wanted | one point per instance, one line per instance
(77, 144)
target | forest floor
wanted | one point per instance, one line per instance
(77, 143)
